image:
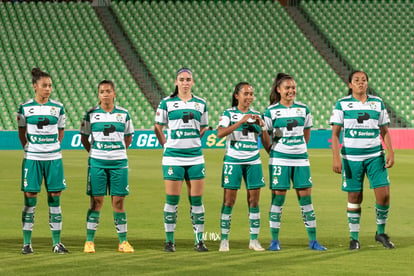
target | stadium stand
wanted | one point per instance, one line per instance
(375, 36)
(68, 42)
(225, 42)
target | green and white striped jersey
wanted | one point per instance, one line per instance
(361, 123)
(184, 121)
(286, 125)
(42, 123)
(107, 131)
(241, 144)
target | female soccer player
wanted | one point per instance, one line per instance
(362, 119)
(290, 123)
(41, 124)
(186, 117)
(242, 126)
(110, 130)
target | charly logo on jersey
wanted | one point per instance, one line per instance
(119, 118)
(53, 111)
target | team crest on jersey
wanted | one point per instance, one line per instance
(53, 111)
(275, 180)
(299, 111)
(226, 179)
(119, 118)
(197, 106)
(373, 106)
(170, 171)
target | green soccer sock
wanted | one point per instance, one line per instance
(225, 221)
(354, 218)
(308, 216)
(55, 218)
(92, 222)
(254, 221)
(275, 215)
(197, 217)
(382, 217)
(28, 218)
(170, 216)
(121, 226)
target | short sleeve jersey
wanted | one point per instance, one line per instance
(183, 121)
(361, 123)
(287, 125)
(107, 131)
(241, 144)
(42, 123)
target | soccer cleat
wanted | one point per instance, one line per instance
(384, 240)
(255, 245)
(224, 246)
(354, 245)
(200, 247)
(27, 249)
(314, 245)
(169, 247)
(89, 247)
(59, 248)
(125, 247)
(274, 245)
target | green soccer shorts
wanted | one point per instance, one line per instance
(34, 171)
(107, 181)
(179, 173)
(353, 173)
(232, 175)
(281, 176)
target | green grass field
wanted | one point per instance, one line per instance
(145, 223)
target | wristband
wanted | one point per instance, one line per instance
(264, 128)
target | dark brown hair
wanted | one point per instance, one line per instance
(274, 95)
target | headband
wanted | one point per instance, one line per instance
(184, 69)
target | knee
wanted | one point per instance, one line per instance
(96, 203)
(253, 202)
(229, 202)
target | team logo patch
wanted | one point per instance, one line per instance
(197, 106)
(373, 106)
(226, 179)
(170, 171)
(299, 111)
(275, 180)
(119, 118)
(53, 111)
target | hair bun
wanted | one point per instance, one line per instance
(36, 71)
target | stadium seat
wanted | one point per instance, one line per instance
(377, 48)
